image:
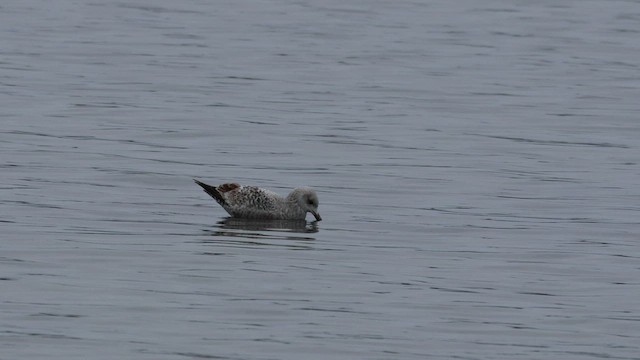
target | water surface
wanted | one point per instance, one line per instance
(476, 164)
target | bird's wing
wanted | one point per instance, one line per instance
(218, 192)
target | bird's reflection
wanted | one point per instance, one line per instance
(295, 226)
(258, 233)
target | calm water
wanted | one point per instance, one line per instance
(477, 165)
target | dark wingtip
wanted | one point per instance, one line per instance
(212, 191)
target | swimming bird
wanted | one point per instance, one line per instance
(252, 202)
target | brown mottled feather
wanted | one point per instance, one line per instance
(227, 187)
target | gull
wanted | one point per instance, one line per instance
(252, 202)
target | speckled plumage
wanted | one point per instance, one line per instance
(251, 202)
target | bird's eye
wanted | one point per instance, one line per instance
(310, 202)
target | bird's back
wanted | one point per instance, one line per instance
(252, 202)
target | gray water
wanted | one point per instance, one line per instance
(477, 164)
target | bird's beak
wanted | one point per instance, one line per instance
(317, 216)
